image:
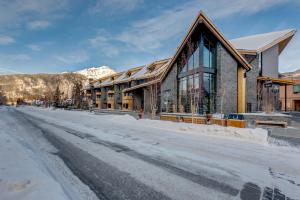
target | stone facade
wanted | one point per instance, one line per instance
(226, 98)
(251, 83)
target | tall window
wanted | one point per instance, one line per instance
(196, 91)
(183, 100)
(208, 93)
(296, 89)
(196, 58)
(208, 54)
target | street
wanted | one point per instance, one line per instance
(113, 157)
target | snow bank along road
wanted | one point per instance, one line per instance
(79, 155)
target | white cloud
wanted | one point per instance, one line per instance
(225, 8)
(14, 57)
(114, 6)
(6, 70)
(73, 57)
(5, 40)
(12, 12)
(38, 24)
(34, 47)
(289, 59)
(105, 45)
(149, 34)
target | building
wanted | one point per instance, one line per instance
(207, 74)
(132, 90)
(262, 83)
(290, 94)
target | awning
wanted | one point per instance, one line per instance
(141, 85)
(276, 80)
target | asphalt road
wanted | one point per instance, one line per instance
(102, 174)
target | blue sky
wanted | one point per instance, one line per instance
(38, 36)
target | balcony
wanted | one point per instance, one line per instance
(110, 99)
(127, 98)
(127, 102)
(110, 103)
(110, 92)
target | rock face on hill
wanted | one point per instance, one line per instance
(31, 87)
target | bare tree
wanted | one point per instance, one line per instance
(57, 97)
(48, 97)
(153, 99)
(2, 97)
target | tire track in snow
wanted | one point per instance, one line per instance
(196, 178)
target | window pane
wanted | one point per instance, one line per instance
(208, 93)
(209, 56)
(190, 83)
(184, 69)
(182, 86)
(296, 88)
(190, 63)
(206, 54)
(182, 98)
(196, 58)
(196, 81)
(212, 57)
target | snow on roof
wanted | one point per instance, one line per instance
(146, 72)
(259, 41)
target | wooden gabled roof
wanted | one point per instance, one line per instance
(202, 18)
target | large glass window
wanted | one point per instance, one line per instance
(208, 54)
(183, 100)
(296, 89)
(191, 62)
(185, 68)
(196, 83)
(196, 58)
(208, 93)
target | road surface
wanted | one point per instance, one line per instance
(156, 165)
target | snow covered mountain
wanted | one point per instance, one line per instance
(96, 72)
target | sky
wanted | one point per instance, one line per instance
(49, 36)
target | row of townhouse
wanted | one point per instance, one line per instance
(132, 90)
(207, 74)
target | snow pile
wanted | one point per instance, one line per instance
(257, 135)
(21, 177)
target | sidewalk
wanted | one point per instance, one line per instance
(290, 134)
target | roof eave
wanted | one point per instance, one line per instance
(202, 18)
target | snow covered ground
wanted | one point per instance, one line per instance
(232, 152)
(21, 176)
(29, 171)
(228, 155)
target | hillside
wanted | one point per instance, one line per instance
(30, 87)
